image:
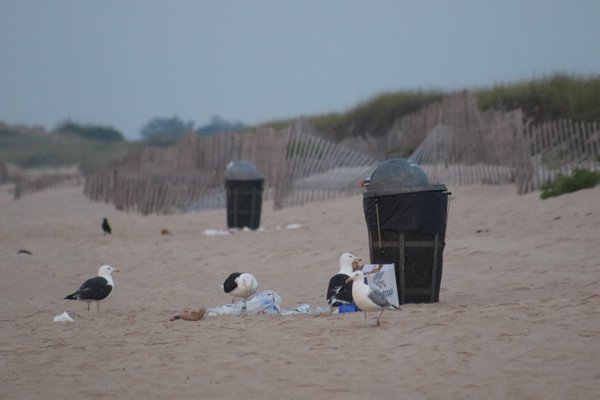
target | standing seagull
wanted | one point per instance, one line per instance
(367, 298)
(106, 227)
(240, 285)
(338, 291)
(96, 288)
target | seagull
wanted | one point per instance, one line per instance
(106, 227)
(366, 297)
(96, 288)
(338, 291)
(241, 285)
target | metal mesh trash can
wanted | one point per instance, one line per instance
(244, 189)
(406, 220)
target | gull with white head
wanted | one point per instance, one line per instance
(338, 291)
(367, 298)
(241, 285)
(95, 289)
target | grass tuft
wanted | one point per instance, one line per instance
(579, 179)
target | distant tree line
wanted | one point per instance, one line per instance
(93, 132)
(165, 131)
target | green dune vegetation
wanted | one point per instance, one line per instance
(556, 97)
(374, 117)
(90, 147)
(579, 179)
(549, 98)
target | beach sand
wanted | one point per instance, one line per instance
(518, 317)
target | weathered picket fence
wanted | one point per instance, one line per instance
(558, 147)
(453, 141)
(298, 167)
(456, 143)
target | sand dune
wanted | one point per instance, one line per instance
(518, 318)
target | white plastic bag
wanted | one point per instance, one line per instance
(64, 317)
(305, 309)
(266, 302)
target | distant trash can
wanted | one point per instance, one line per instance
(244, 187)
(406, 220)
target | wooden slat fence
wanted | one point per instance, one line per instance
(456, 143)
(558, 147)
(316, 169)
(24, 188)
(453, 141)
(33, 180)
(298, 167)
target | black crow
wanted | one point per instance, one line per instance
(106, 227)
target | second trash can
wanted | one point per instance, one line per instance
(406, 219)
(244, 187)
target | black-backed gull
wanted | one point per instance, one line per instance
(240, 285)
(95, 289)
(338, 291)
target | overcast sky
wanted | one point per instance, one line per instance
(121, 63)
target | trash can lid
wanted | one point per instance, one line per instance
(399, 175)
(242, 170)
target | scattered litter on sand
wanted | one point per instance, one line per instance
(216, 232)
(64, 317)
(265, 302)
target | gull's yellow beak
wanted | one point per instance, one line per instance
(349, 280)
(117, 270)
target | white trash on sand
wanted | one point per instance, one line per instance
(216, 232)
(266, 302)
(293, 226)
(64, 317)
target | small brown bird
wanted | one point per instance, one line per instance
(190, 315)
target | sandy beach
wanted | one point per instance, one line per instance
(518, 317)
